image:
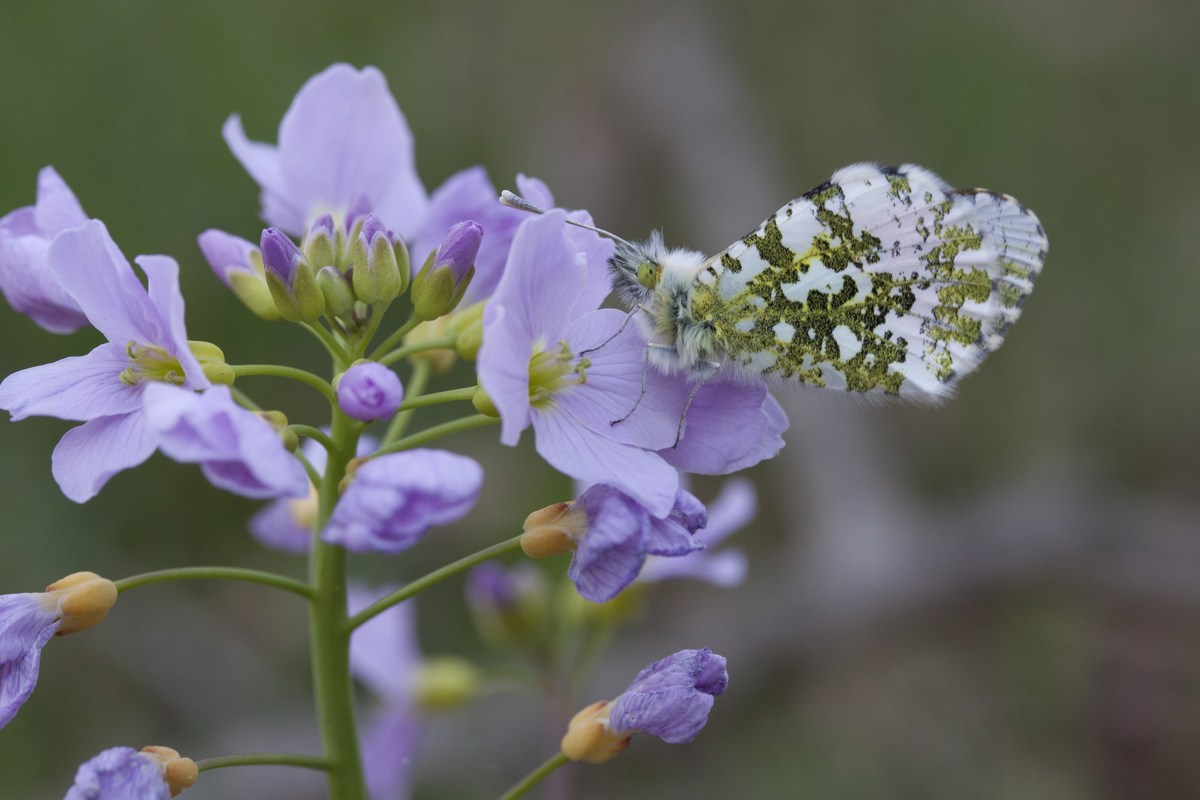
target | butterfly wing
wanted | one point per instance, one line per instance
(883, 280)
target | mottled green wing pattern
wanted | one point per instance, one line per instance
(884, 280)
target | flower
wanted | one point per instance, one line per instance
(239, 265)
(25, 235)
(287, 525)
(237, 451)
(733, 508)
(122, 773)
(104, 389)
(369, 391)
(395, 498)
(440, 284)
(290, 278)
(27, 621)
(611, 534)
(670, 699)
(381, 268)
(343, 140)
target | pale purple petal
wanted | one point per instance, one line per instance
(120, 773)
(727, 568)
(503, 366)
(672, 534)
(596, 250)
(26, 624)
(611, 553)
(389, 745)
(576, 451)
(535, 191)
(224, 252)
(89, 455)
(671, 698)
(771, 441)
(734, 507)
(238, 451)
(57, 208)
(725, 425)
(369, 391)
(76, 388)
(162, 273)
(92, 270)
(275, 526)
(394, 499)
(28, 284)
(384, 652)
(262, 162)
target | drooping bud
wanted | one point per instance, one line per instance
(83, 600)
(212, 361)
(338, 292)
(290, 278)
(444, 682)
(469, 325)
(376, 267)
(369, 391)
(179, 773)
(442, 359)
(320, 242)
(239, 264)
(552, 530)
(443, 279)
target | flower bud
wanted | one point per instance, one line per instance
(290, 278)
(589, 737)
(239, 264)
(320, 243)
(212, 361)
(443, 279)
(552, 530)
(483, 404)
(376, 270)
(179, 773)
(338, 292)
(444, 682)
(369, 391)
(442, 360)
(83, 600)
(279, 421)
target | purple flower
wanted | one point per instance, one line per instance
(27, 621)
(342, 140)
(369, 391)
(104, 389)
(395, 498)
(122, 773)
(237, 450)
(733, 508)
(27, 281)
(287, 525)
(669, 699)
(239, 265)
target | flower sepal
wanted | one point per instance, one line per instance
(290, 278)
(590, 738)
(180, 773)
(212, 362)
(381, 270)
(553, 530)
(443, 279)
(82, 600)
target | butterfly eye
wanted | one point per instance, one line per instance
(648, 274)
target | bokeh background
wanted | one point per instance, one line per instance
(999, 598)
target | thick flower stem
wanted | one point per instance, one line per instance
(257, 759)
(225, 573)
(535, 777)
(424, 582)
(322, 386)
(330, 638)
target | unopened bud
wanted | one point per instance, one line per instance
(83, 600)
(369, 391)
(376, 270)
(290, 278)
(289, 438)
(250, 286)
(444, 278)
(445, 682)
(552, 530)
(336, 288)
(589, 737)
(179, 773)
(319, 243)
(483, 404)
(212, 361)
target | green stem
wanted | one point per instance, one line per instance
(535, 777)
(446, 342)
(397, 337)
(223, 573)
(417, 382)
(439, 397)
(377, 312)
(243, 399)
(453, 426)
(331, 344)
(330, 639)
(322, 386)
(256, 759)
(424, 582)
(314, 433)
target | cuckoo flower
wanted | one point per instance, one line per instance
(239, 265)
(237, 451)
(122, 773)
(394, 499)
(669, 699)
(611, 534)
(27, 621)
(146, 342)
(369, 391)
(287, 525)
(27, 281)
(342, 140)
(732, 509)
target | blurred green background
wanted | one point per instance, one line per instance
(999, 598)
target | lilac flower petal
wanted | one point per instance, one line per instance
(672, 535)
(671, 698)
(369, 391)
(389, 745)
(89, 455)
(76, 388)
(57, 208)
(771, 441)
(725, 423)
(344, 134)
(394, 499)
(535, 191)
(276, 527)
(237, 450)
(26, 624)
(120, 773)
(596, 250)
(262, 162)
(162, 273)
(726, 568)
(459, 249)
(576, 451)
(734, 507)
(224, 251)
(28, 284)
(611, 553)
(384, 653)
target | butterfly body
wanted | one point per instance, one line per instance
(882, 281)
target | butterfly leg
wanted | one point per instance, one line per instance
(645, 372)
(624, 322)
(713, 368)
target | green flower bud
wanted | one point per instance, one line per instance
(339, 294)
(444, 682)
(376, 271)
(212, 361)
(483, 404)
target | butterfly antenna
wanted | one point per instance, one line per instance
(511, 200)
